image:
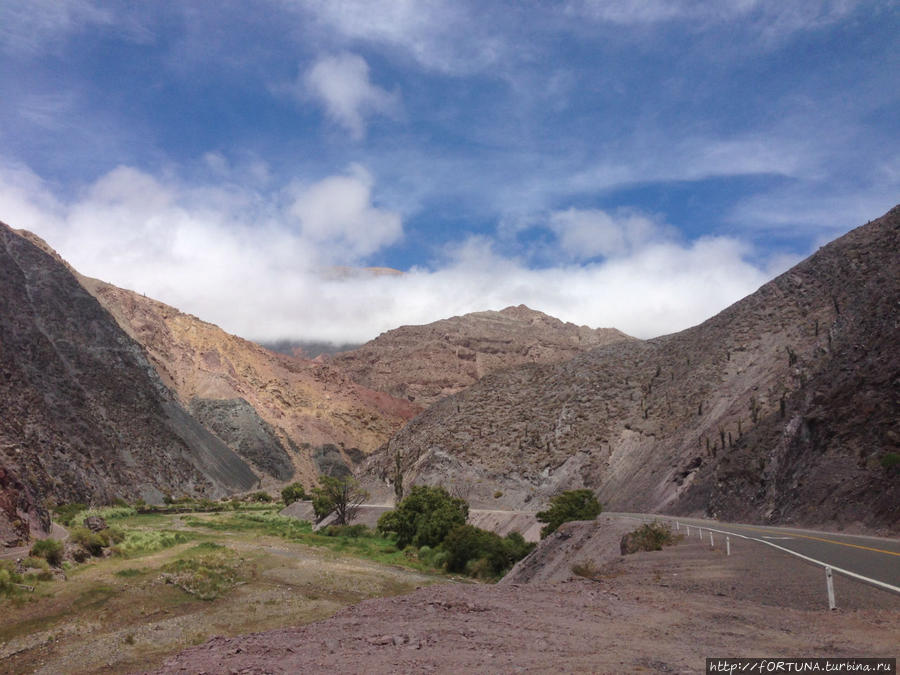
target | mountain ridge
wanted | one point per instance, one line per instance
(424, 363)
(714, 419)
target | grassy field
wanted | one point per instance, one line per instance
(179, 579)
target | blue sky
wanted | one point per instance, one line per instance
(634, 164)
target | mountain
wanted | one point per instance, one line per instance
(425, 363)
(782, 408)
(290, 418)
(83, 414)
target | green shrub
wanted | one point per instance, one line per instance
(35, 563)
(467, 545)
(65, 513)
(424, 517)
(294, 492)
(50, 550)
(352, 531)
(890, 460)
(92, 542)
(567, 506)
(8, 578)
(109, 512)
(138, 542)
(260, 496)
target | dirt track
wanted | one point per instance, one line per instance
(660, 611)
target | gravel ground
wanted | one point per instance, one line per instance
(654, 612)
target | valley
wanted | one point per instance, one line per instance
(779, 411)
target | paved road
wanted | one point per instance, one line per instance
(876, 558)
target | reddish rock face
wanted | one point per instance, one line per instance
(275, 410)
(426, 363)
(782, 408)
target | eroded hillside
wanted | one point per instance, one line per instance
(781, 408)
(291, 418)
(426, 363)
(83, 415)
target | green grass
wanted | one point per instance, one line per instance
(141, 542)
(357, 542)
(205, 571)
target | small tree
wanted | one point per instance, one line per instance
(342, 496)
(294, 492)
(424, 517)
(566, 506)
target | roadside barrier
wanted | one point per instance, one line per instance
(829, 569)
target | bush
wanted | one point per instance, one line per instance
(481, 553)
(260, 496)
(567, 506)
(890, 460)
(352, 531)
(294, 492)
(50, 550)
(65, 513)
(8, 577)
(92, 542)
(424, 517)
(648, 537)
(586, 568)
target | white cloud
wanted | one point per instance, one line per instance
(772, 18)
(233, 258)
(338, 212)
(29, 26)
(428, 31)
(341, 83)
(588, 233)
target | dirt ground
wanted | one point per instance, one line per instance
(101, 621)
(649, 612)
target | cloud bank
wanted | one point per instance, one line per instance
(265, 265)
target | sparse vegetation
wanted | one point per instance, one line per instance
(648, 537)
(294, 492)
(206, 571)
(50, 550)
(586, 568)
(567, 506)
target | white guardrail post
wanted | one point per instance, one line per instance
(711, 544)
(829, 582)
(727, 545)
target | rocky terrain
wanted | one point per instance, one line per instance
(782, 408)
(425, 363)
(83, 415)
(660, 611)
(287, 416)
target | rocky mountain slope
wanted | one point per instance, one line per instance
(83, 415)
(425, 363)
(290, 418)
(782, 408)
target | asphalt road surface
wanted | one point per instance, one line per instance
(875, 558)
